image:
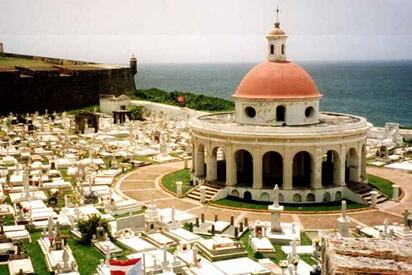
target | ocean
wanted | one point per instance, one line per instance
(379, 91)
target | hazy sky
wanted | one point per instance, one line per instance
(206, 30)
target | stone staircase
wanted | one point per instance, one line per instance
(211, 191)
(363, 190)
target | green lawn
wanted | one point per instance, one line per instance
(4, 269)
(87, 257)
(383, 185)
(36, 255)
(279, 255)
(169, 181)
(11, 62)
(239, 203)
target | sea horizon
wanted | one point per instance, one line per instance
(355, 87)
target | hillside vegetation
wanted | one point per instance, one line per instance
(192, 101)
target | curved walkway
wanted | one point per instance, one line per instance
(143, 185)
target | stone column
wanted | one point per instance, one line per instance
(230, 167)
(374, 198)
(200, 164)
(342, 165)
(287, 170)
(202, 194)
(257, 169)
(179, 189)
(317, 169)
(211, 173)
(395, 195)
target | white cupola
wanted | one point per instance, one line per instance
(276, 42)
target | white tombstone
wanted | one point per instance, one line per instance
(275, 210)
(50, 226)
(385, 228)
(395, 194)
(202, 194)
(185, 162)
(195, 259)
(66, 201)
(165, 263)
(374, 199)
(66, 257)
(172, 214)
(406, 220)
(343, 221)
(179, 189)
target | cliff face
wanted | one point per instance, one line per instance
(62, 85)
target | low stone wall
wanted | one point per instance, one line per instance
(171, 112)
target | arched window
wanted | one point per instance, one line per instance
(283, 48)
(280, 113)
(272, 49)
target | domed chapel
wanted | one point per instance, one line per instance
(276, 135)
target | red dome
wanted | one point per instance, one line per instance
(277, 80)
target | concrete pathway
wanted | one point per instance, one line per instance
(143, 184)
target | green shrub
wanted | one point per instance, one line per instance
(136, 112)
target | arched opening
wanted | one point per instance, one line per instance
(352, 166)
(327, 197)
(265, 197)
(363, 161)
(244, 168)
(272, 169)
(272, 49)
(280, 113)
(330, 168)
(283, 49)
(218, 165)
(235, 193)
(297, 198)
(310, 197)
(302, 170)
(338, 196)
(200, 161)
(247, 196)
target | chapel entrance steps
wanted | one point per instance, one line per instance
(211, 191)
(363, 190)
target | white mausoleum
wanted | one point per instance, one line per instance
(278, 136)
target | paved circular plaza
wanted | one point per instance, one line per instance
(143, 185)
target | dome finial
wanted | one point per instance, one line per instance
(277, 13)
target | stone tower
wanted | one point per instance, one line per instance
(133, 65)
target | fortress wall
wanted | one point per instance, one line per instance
(68, 89)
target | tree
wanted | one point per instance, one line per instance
(88, 227)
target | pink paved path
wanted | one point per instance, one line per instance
(143, 185)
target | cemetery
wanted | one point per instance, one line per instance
(130, 183)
